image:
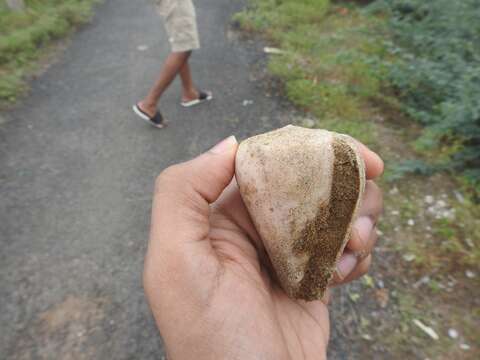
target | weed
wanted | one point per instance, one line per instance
(337, 69)
(327, 66)
(24, 36)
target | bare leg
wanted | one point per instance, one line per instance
(172, 65)
(189, 92)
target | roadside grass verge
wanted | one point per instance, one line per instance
(331, 62)
(335, 64)
(25, 36)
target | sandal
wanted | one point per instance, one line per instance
(157, 120)
(202, 97)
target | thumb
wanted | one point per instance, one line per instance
(180, 225)
(184, 191)
(208, 174)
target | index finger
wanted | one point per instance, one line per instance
(373, 163)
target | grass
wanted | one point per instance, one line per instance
(449, 229)
(334, 65)
(326, 64)
(24, 36)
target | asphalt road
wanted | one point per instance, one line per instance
(77, 170)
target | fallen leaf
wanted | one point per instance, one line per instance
(368, 281)
(272, 50)
(426, 329)
(366, 337)
(354, 296)
(382, 297)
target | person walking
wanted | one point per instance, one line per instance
(181, 27)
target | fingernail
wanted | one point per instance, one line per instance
(379, 160)
(224, 145)
(364, 227)
(346, 264)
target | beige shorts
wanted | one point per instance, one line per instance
(180, 23)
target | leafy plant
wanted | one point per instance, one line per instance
(437, 77)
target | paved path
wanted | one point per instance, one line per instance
(77, 170)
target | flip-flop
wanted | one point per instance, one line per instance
(157, 120)
(202, 97)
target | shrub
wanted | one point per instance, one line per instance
(438, 76)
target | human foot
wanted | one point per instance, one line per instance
(156, 120)
(147, 108)
(195, 97)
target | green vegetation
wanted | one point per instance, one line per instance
(421, 58)
(396, 82)
(437, 78)
(449, 230)
(24, 35)
(332, 65)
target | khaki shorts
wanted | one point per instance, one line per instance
(180, 23)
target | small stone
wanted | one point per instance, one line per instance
(453, 333)
(379, 232)
(448, 214)
(247, 102)
(410, 222)
(366, 337)
(470, 274)
(441, 203)
(380, 284)
(409, 257)
(469, 242)
(464, 346)
(394, 191)
(459, 196)
(142, 47)
(308, 123)
(429, 199)
(395, 212)
(424, 280)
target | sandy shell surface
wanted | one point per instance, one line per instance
(302, 188)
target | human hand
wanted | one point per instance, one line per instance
(207, 276)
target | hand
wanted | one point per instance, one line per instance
(205, 276)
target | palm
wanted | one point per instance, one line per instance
(207, 276)
(287, 328)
